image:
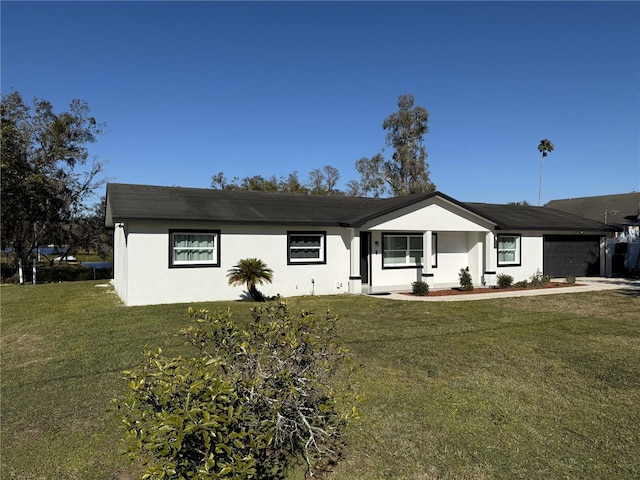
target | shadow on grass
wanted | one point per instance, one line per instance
(633, 293)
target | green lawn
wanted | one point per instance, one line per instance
(534, 387)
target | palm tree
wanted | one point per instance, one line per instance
(252, 272)
(545, 148)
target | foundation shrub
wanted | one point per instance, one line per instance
(504, 280)
(420, 288)
(539, 280)
(466, 282)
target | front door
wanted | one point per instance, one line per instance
(365, 243)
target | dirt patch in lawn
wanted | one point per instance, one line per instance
(457, 291)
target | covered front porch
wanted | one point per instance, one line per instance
(390, 261)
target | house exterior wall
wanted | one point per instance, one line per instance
(151, 281)
(460, 237)
(434, 214)
(531, 256)
(456, 250)
(142, 274)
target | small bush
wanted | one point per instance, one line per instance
(420, 288)
(539, 280)
(251, 403)
(522, 284)
(466, 283)
(504, 281)
(570, 279)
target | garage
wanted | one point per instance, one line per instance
(575, 255)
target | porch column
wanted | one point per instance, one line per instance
(490, 259)
(355, 280)
(427, 270)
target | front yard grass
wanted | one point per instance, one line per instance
(530, 387)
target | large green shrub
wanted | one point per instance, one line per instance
(251, 403)
(466, 283)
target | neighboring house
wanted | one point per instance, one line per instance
(620, 211)
(175, 244)
(617, 210)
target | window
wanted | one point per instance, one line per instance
(402, 250)
(508, 250)
(194, 248)
(306, 247)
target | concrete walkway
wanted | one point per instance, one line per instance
(586, 284)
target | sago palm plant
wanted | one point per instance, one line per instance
(250, 272)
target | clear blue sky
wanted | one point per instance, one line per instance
(188, 89)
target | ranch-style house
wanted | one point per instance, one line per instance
(174, 244)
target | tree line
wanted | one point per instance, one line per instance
(406, 172)
(48, 179)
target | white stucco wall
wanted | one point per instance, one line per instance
(151, 281)
(531, 257)
(460, 235)
(433, 214)
(142, 275)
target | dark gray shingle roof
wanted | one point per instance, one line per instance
(126, 202)
(622, 208)
(524, 217)
(145, 202)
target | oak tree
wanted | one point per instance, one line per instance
(46, 178)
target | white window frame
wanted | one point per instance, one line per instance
(408, 260)
(321, 248)
(215, 249)
(517, 251)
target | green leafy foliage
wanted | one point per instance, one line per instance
(185, 414)
(251, 403)
(570, 279)
(46, 177)
(504, 280)
(420, 288)
(321, 181)
(466, 283)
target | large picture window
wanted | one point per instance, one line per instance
(306, 247)
(508, 250)
(402, 250)
(194, 248)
